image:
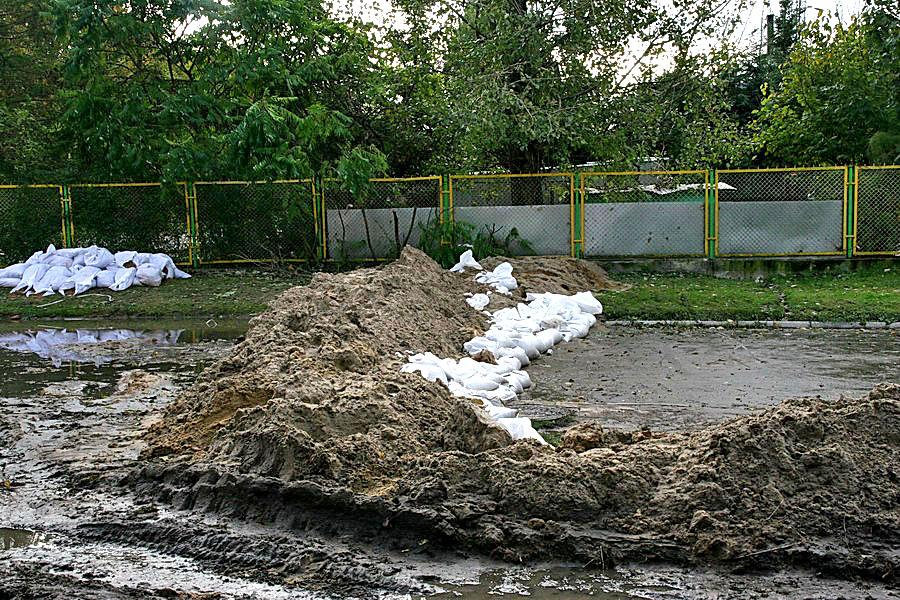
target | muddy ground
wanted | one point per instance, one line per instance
(68, 531)
(677, 379)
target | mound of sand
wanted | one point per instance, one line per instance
(805, 481)
(314, 394)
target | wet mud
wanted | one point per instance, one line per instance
(94, 509)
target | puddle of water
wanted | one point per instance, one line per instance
(559, 583)
(18, 538)
(92, 356)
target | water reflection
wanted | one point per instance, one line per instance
(82, 345)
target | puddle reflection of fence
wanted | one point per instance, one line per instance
(84, 345)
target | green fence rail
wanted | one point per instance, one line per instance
(840, 211)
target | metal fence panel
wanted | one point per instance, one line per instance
(240, 221)
(30, 220)
(379, 226)
(538, 207)
(781, 212)
(147, 217)
(647, 213)
(877, 215)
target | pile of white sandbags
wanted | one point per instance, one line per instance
(516, 337)
(76, 270)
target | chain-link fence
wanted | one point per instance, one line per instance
(396, 213)
(878, 210)
(647, 213)
(518, 214)
(30, 219)
(733, 213)
(780, 212)
(149, 217)
(241, 221)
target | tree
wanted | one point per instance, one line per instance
(199, 89)
(542, 83)
(30, 60)
(837, 92)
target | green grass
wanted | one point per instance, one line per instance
(872, 295)
(208, 293)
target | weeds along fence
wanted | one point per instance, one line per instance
(837, 211)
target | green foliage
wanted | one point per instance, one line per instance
(835, 95)
(445, 242)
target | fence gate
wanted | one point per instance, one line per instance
(877, 210)
(781, 212)
(245, 221)
(645, 213)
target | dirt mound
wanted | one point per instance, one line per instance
(810, 481)
(312, 403)
(555, 274)
(315, 389)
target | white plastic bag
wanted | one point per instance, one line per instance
(32, 275)
(478, 301)
(124, 279)
(106, 278)
(98, 257)
(588, 303)
(9, 282)
(520, 428)
(85, 279)
(148, 275)
(50, 282)
(124, 257)
(465, 260)
(13, 271)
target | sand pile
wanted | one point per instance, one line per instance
(314, 394)
(315, 389)
(809, 481)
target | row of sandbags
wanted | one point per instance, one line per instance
(516, 337)
(76, 270)
(57, 344)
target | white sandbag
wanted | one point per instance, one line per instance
(523, 377)
(124, 279)
(35, 258)
(516, 353)
(477, 344)
(85, 279)
(429, 372)
(466, 260)
(148, 275)
(588, 303)
(78, 260)
(529, 344)
(179, 274)
(142, 258)
(98, 257)
(124, 257)
(503, 338)
(68, 283)
(165, 264)
(105, 278)
(501, 412)
(548, 338)
(50, 282)
(478, 301)
(13, 271)
(32, 275)
(9, 282)
(520, 428)
(71, 252)
(56, 260)
(480, 383)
